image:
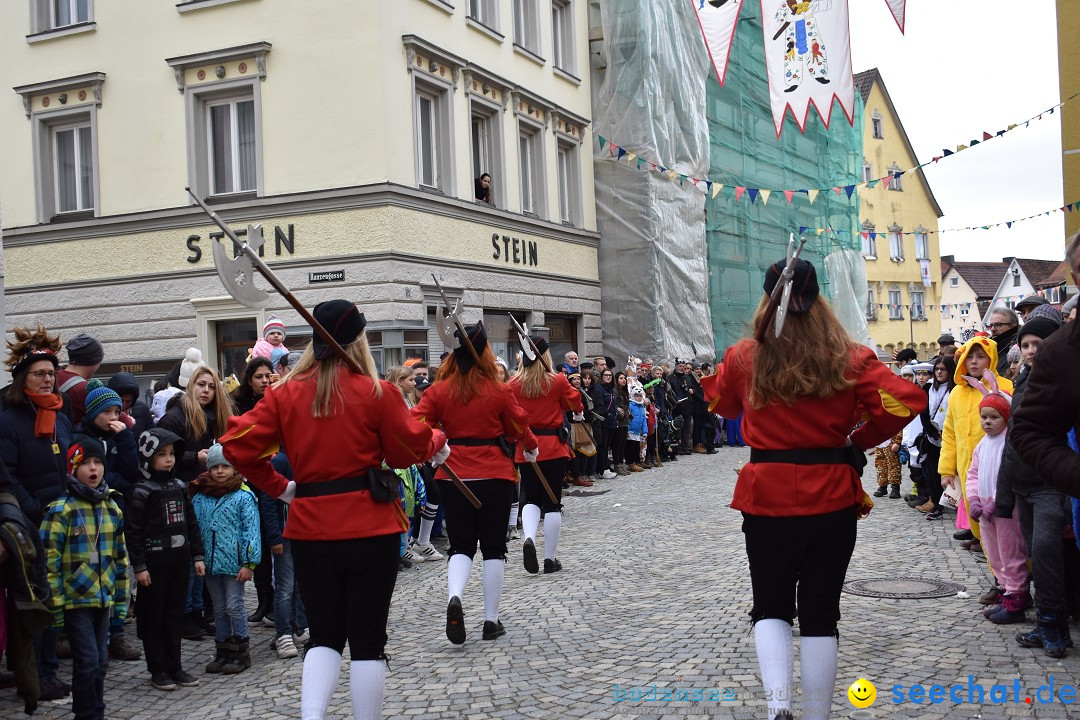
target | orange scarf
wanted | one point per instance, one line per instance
(46, 405)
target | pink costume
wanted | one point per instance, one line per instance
(1002, 539)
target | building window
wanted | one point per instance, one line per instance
(896, 246)
(531, 168)
(867, 171)
(1016, 277)
(231, 145)
(487, 149)
(895, 179)
(73, 167)
(235, 339)
(922, 246)
(896, 311)
(869, 242)
(527, 25)
(875, 124)
(964, 310)
(918, 310)
(871, 306)
(569, 184)
(224, 119)
(484, 12)
(954, 281)
(56, 14)
(562, 35)
(946, 312)
(432, 120)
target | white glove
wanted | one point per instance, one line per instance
(440, 455)
(290, 493)
(579, 417)
(531, 455)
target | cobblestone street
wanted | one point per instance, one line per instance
(654, 591)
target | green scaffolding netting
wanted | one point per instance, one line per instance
(681, 272)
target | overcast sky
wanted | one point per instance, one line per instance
(964, 67)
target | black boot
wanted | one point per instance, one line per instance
(882, 491)
(239, 660)
(192, 629)
(894, 494)
(265, 608)
(223, 651)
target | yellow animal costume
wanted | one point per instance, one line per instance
(963, 429)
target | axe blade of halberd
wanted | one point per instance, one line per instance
(793, 252)
(237, 273)
(527, 346)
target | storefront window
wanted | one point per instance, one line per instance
(235, 339)
(393, 347)
(562, 336)
(502, 337)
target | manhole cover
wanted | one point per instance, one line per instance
(902, 588)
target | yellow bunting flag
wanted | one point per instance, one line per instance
(716, 188)
(812, 194)
(765, 196)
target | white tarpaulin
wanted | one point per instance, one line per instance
(808, 58)
(717, 19)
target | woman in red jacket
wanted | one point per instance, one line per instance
(338, 426)
(480, 417)
(800, 394)
(544, 396)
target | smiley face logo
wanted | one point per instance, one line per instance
(862, 693)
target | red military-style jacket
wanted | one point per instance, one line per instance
(883, 400)
(368, 430)
(546, 412)
(492, 413)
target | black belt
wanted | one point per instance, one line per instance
(332, 487)
(554, 432)
(474, 442)
(802, 456)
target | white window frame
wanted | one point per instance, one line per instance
(568, 178)
(43, 16)
(964, 311)
(45, 126)
(895, 182)
(85, 200)
(563, 48)
(527, 26)
(490, 115)
(483, 12)
(199, 100)
(871, 309)
(946, 312)
(867, 170)
(922, 246)
(876, 127)
(896, 245)
(532, 169)
(232, 102)
(954, 281)
(896, 309)
(918, 304)
(869, 243)
(441, 96)
(1016, 277)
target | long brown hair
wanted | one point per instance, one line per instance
(328, 395)
(535, 380)
(193, 411)
(466, 385)
(810, 358)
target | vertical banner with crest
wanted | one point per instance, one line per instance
(717, 19)
(808, 58)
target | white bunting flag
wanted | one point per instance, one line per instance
(808, 59)
(897, 7)
(717, 19)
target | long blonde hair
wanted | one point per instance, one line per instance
(329, 398)
(811, 357)
(193, 410)
(535, 380)
(395, 375)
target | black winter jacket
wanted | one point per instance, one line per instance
(121, 457)
(188, 466)
(1015, 475)
(160, 521)
(123, 383)
(38, 472)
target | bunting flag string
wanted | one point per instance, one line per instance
(918, 309)
(713, 187)
(874, 235)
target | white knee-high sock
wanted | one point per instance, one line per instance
(817, 660)
(457, 574)
(322, 666)
(367, 680)
(776, 662)
(552, 525)
(530, 521)
(494, 570)
(427, 521)
(512, 522)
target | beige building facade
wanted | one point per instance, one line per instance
(353, 133)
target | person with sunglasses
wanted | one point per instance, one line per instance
(1003, 326)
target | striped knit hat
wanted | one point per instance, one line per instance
(273, 325)
(100, 398)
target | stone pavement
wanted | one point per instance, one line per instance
(654, 593)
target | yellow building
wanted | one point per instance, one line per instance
(353, 132)
(899, 231)
(1068, 28)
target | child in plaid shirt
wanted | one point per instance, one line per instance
(86, 561)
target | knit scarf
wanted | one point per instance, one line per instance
(46, 405)
(205, 485)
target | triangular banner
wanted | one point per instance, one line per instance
(716, 188)
(812, 194)
(718, 21)
(849, 189)
(739, 190)
(897, 8)
(753, 193)
(765, 196)
(789, 194)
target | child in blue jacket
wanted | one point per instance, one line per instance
(229, 520)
